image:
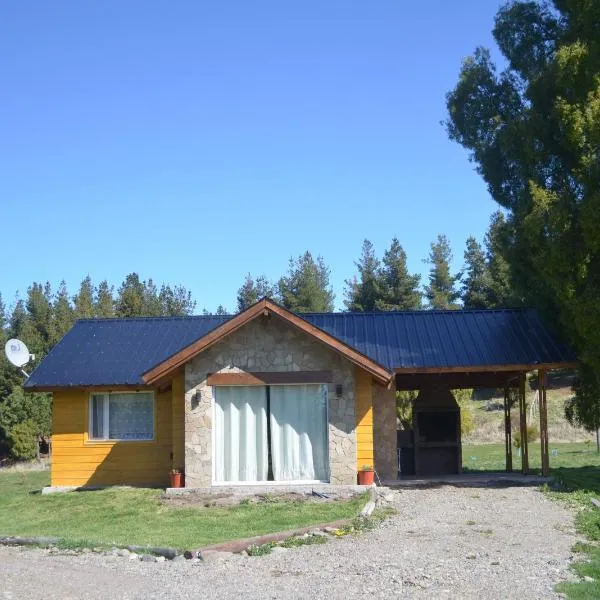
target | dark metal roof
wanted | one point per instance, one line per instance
(445, 339)
(118, 351)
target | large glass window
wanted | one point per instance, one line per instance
(122, 416)
(276, 433)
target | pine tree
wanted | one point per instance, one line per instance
(62, 314)
(131, 299)
(252, 291)
(151, 306)
(497, 244)
(221, 310)
(363, 293)
(306, 286)
(399, 289)
(476, 281)
(441, 292)
(83, 301)
(104, 304)
(36, 324)
(8, 374)
(176, 301)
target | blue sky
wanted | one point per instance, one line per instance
(194, 142)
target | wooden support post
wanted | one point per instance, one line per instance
(523, 424)
(543, 423)
(507, 432)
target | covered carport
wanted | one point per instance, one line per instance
(473, 350)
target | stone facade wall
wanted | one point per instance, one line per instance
(267, 344)
(384, 432)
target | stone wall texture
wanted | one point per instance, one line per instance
(267, 344)
(384, 432)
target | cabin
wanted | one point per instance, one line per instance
(271, 397)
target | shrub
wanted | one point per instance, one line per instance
(23, 440)
(404, 407)
(463, 397)
(533, 433)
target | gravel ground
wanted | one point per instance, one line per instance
(445, 542)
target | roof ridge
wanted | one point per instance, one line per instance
(422, 311)
(165, 318)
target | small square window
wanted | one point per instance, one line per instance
(122, 416)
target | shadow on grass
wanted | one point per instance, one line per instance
(571, 479)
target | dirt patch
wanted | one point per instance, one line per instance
(199, 500)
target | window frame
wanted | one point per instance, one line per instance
(270, 482)
(106, 413)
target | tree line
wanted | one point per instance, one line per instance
(384, 284)
(45, 314)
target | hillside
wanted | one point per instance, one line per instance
(488, 413)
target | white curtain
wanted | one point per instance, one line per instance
(130, 416)
(241, 433)
(299, 432)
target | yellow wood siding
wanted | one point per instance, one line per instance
(79, 461)
(178, 420)
(364, 419)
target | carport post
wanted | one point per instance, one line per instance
(543, 422)
(507, 431)
(523, 424)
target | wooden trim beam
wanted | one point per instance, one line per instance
(269, 378)
(455, 381)
(486, 368)
(523, 425)
(265, 307)
(507, 431)
(543, 422)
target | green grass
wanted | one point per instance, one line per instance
(126, 516)
(577, 487)
(490, 457)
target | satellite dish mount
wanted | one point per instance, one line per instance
(18, 354)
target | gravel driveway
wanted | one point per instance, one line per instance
(445, 542)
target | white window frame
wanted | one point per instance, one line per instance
(106, 418)
(267, 483)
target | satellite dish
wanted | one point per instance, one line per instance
(17, 353)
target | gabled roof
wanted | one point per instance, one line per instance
(260, 308)
(140, 351)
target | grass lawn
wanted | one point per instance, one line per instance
(579, 486)
(490, 457)
(124, 516)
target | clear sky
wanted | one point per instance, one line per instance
(194, 142)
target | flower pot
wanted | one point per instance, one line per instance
(177, 480)
(366, 477)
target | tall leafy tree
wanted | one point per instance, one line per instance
(533, 132)
(365, 291)
(253, 290)
(306, 287)
(476, 281)
(441, 291)
(104, 304)
(399, 289)
(83, 301)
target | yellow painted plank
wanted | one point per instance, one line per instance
(76, 461)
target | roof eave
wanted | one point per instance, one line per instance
(551, 366)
